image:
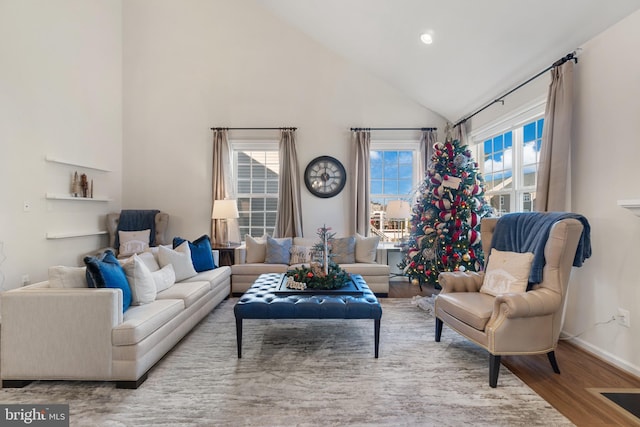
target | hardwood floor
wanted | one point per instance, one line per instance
(569, 391)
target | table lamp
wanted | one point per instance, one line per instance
(225, 210)
(399, 210)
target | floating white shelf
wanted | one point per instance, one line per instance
(71, 163)
(53, 196)
(75, 234)
(632, 204)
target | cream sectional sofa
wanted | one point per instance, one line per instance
(82, 334)
(374, 272)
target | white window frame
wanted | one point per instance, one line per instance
(399, 145)
(250, 145)
(514, 122)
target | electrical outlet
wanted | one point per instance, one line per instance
(25, 279)
(624, 318)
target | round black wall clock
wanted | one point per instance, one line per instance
(325, 176)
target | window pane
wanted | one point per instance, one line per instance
(392, 176)
(508, 140)
(540, 125)
(256, 174)
(497, 143)
(376, 186)
(529, 132)
(488, 147)
(376, 171)
(391, 187)
(504, 184)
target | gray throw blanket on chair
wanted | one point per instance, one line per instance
(529, 231)
(136, 220)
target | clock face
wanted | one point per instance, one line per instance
(325, 176)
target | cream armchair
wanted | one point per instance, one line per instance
(513, 323)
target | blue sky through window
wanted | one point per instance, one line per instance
(498, 152)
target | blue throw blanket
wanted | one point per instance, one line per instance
(528, 232)
(136, 220)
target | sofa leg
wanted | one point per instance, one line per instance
(554, 363)
(494, 370)
(15, 383)
(438, 329)
(132, 385)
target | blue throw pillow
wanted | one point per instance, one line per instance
(201, 255)
(105, 271)
(278, 250)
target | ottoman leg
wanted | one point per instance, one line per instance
(376, 334)
(239, 336)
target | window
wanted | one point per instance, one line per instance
(510, 162)
(255, 173)
(393, 177)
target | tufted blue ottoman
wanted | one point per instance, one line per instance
(262, 301)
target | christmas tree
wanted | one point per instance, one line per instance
(445, 223)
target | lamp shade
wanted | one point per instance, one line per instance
(398, 209)
(225, 209)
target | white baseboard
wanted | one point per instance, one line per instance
(606, 356)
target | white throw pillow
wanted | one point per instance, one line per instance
(507, 272)
(67, 277)
(164, 278)
(150, 260)
(256, 249)
(133, 242)
(141, 282)
(366, 248)
(300, 255)
(180, 258)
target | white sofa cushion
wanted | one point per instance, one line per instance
(133, 242)
(164, 278)
(256, 249)
(180, 258)
(507, 272)
(140, 321)
(150, 261)
(366, 248)
(189, 292)
(67, 277)
(141, 281)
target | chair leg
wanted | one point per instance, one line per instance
(438, 329)
(554, 363)
(494, 370)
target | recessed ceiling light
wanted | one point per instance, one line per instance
(426, 38)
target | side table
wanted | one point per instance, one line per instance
(226, 253)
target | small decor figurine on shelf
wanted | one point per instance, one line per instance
(83, 184)
(319, 275)
(75, 185)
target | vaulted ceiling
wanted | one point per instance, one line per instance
(480, 50)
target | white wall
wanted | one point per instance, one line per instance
(191, 65)
(604, 170)
(604, 163)
(60, 95)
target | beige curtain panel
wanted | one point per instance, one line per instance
(360, 185)
(289, 214)
(428, 138)
(222, 187)
(552, 188)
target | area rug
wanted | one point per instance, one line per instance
(309, 373)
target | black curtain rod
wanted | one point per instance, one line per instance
(281, 128)
(422, 129)
(571, 56)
